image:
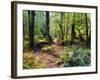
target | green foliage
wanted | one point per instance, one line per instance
(66, 55)
(75, 56)
(81, 57)
(63, 57)
(55, 21)
(31, 62)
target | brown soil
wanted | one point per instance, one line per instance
(50, 59)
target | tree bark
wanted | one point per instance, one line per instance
(31, 15)
(81, 19)
(47, 21)
(48, 36)
(87, 42)
(61, 26)
(73, 34)
(79, 30)
(89, 39)
(67, 29)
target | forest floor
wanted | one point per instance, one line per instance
(50, 59)
(56, 56)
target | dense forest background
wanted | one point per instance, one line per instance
(56, 39)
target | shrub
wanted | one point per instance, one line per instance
(75, 56)
(81, 57)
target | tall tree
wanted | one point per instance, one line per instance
(86, 19)
(47, 21)
(61, 26)
(89, 39)
(31, 16)
(47, 27)
(67, 29)
(73, 34)
(79, 29)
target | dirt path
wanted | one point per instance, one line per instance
(50, 60)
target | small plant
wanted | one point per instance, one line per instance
(63, 57)
(31, 62)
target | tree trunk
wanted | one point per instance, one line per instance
(89, 39)
(87, 42)
(73, 34)
(47, 21)
(79, 30)
(31, 15)
(81, 19)
(61, 26)
(48, 36)
(67, 29)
